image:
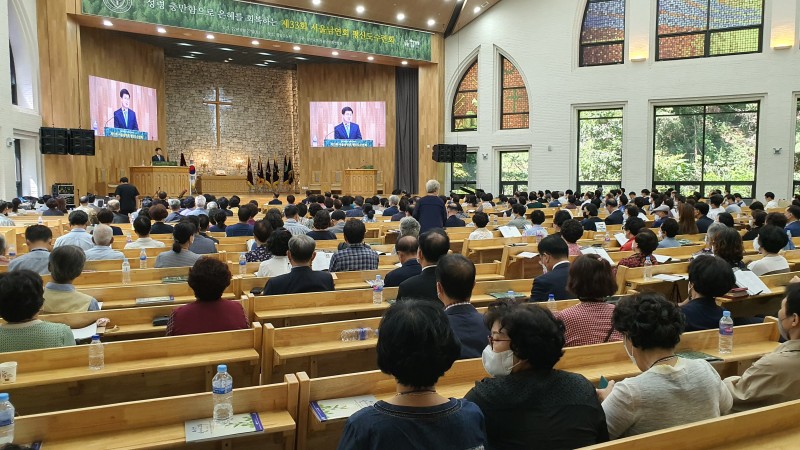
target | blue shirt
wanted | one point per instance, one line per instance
(78, 237)
(794, 228)
(36, 260)
(102, 252)
(669, 242)
(239, 229)
(457, 425)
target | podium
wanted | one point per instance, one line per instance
(149, 179)
(360, 182)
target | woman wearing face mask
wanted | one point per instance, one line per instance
(416, 346)
(671, 391)
(773, 378)
(528, 404)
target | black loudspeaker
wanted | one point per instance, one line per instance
(450, 153)
(81, 142)
(54, 141)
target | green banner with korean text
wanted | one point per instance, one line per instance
(259, 21)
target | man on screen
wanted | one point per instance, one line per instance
(159, 156)
(347, 129)
(125, 117)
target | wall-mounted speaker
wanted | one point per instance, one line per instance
(54, 141)
(450, 153)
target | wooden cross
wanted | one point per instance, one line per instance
(218, 103)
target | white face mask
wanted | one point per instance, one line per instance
(498, 364)
(630, 353)
(756, 245)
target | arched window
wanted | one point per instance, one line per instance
(700, 28)
(603, 33)
(465, 103)
(514, 111)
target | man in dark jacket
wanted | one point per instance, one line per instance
(406, 248)
(433, 245)
(452, 216)
(554, 255)
(455, 279)
(301, 279)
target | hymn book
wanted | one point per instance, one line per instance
(341, 408)
(206, 430)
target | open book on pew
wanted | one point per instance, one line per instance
(620, 237)
(206, 430)
(661, 259)
(509, 232)
(322, 261)
(341, 408)
(749, 280)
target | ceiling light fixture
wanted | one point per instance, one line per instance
(226, 49)
(296, 48)
(265, 54)
(301, 58)
(360, 9)
(188, 56)
(161, 30)
(335, 53)
(405, 63)
(269, 61)
(209, 36)
(255, 42)
(477, 9)
(316, 2)
(370, 58)
(401, 16)
(431, 22)
(185, 44)
(196, 53)
(108, 23)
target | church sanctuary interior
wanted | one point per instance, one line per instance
(416, 224)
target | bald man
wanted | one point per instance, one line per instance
(406, 248)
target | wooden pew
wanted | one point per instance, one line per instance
(592, 361)
(763, 304)
(632, 278)
(160, 423)
(486, 250)
(125, 296)
(138, 276)
(59, 378)
(773, 427)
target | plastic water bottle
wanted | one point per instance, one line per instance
(377, 291)
(606, 240)
(242, 264)
(359, 334)
(648, 268)
(222, 389)
(6, 420)
(126, 271)
(726, 333)
(314, 141)
(551, 303)
(143, 259)
(96, 354)
(40, 221)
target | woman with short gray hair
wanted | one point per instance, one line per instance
(409, 227)
(430, 211)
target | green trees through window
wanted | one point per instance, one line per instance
(599, 149)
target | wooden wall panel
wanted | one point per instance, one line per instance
(431, 114)
(345, 82)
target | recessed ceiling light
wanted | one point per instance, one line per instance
(335, 53)
(209, 36)
(316, 2)
(226, 49)
(108, 23)
(188, 56)
(261, 65)
(301, 58)
(296, 48)
(370, 58)
(401, 16)
(405, 63)
(161, 30)
(360, 9)
(255, 42)
(269, 61)
(196, 53)
(276, 45)
(185, 44)
(477, 9)
(431, 22)
(265, 54)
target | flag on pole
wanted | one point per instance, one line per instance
(285, 170)
(267, 174)
(249, 173)
(260, 172)
(291, 173)
(276, 174)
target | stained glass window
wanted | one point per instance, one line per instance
(515, 108)
(699, 28)
(465, 103)
(603, 33)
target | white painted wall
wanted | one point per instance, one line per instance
(18, 23)
(541, 37)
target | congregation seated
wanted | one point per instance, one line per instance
(159, 215)
(175, 211)
(793, 215)
(60, 295)
(433, 245)
(409, 227)
(536, 229)
(758, 218)
(21, 299)
(455, 279)
(180, 255)
(571, 231)
(780, 221)
(615, 216)
(77, 235)
(392, 209)
(38, 239)
(218, 218)
(278, 263)
(338, 219)
(201, 245)
(369, 213)
(416, 346)
(52, 208)
(661, 213)
(669, 229)
(686, 219)
(631, 228)
(406, 248)
(356, 255)
(554, 256)
(208, 278)
(275, 200)
(726, 243)
(322, 223)
(204, 222)
(590, 218)
(480, 219)
(773, 378)
(646, 243)
(709, 277)
(243, 228)
(559, 218)
(671, 390)
(702, 220)
(106, 217)
(527, 403)
(591, 280)
(518, 217)
(292, 224)
(103, 237)
(771, 241)
(452, 216)
(119, 217)
(262, 230)
(301, 278)
(5, 207)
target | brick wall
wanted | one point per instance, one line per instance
(262, 120)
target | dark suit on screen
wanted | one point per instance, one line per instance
(553, 282)
(299, 280)
(420, 287)
(340, 132)
(119, 120)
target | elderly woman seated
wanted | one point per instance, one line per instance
(21, 298)
(208, 278)
(671, 390)
(416, 346)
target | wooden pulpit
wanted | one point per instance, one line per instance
(360, 182)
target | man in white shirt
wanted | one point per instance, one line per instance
(200, 207)
(87, 209)
(142, 227)
(769, 197)
(292, 224)
(731, 205)
(78, 235)
(103, 237)
(715, 202)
